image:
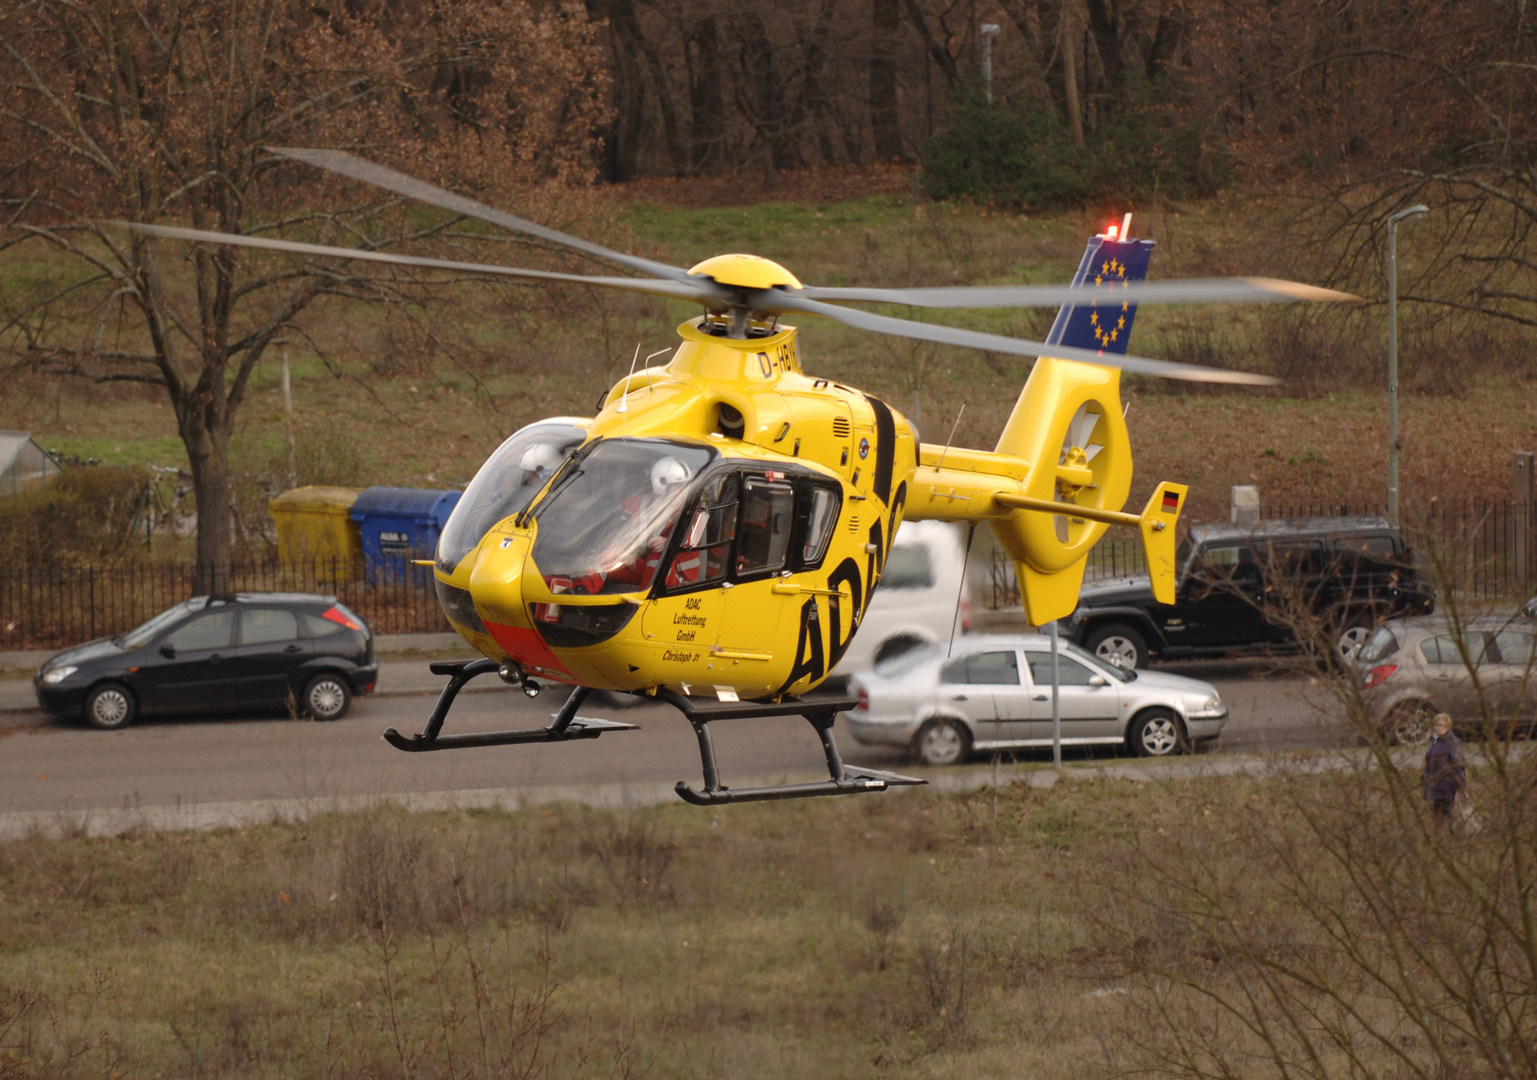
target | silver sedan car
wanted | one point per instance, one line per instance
(1480, 672)
(994, 693)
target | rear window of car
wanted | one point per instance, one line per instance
(262, 626)
(1000, 668)
(1383, 643)
(896, 663)
(315, 626)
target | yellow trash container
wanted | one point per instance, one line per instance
(316, 523)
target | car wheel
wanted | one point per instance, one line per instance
(1156, 733)
(110, 706)
(327, 697)
(1409, 722)
(943, 742)
(1353, 639)
(1119, 645)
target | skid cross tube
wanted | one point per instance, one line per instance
(819, 712)
(565, 725)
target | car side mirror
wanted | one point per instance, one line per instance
(168, 651)
(1097, 680)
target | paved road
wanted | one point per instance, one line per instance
(50, 767)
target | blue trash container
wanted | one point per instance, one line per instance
(398, 525)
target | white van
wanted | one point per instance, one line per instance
(921, 597)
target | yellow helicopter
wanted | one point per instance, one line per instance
(711, 538)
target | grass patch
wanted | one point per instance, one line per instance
(841, 938)
(1097, 928)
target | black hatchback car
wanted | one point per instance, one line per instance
(218, 653)
(1237, 585)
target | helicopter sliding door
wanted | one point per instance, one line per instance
(751, 624)
(776, 608)
(742, 542)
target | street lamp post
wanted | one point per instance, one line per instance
(1408, 216)
(989, 31)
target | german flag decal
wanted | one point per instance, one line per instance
(1171, 502)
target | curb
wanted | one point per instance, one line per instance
(184, 817)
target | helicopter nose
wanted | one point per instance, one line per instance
(496, 583)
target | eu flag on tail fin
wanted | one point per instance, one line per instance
(1100, 321)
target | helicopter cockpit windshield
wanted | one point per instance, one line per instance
(605, 525)
(506, 484)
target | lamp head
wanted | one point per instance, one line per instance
(1409, 215)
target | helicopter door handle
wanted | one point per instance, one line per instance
(790, 588)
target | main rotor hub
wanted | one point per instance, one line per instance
(746, 272)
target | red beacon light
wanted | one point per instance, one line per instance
(1121, 231)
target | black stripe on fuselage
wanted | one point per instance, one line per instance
(885, 449)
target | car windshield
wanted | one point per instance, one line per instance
(143, 634)
(1383, 643)
(506, 484)
(605, 525)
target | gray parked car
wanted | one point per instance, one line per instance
(994, 693)
(1412, 669)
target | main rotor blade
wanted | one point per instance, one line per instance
(1188, 291)
(680, 290)
(368, 172)
(949, 335)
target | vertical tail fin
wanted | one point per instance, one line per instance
(1099, 321)
(1068, 425)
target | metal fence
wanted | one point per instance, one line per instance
(55, 608)
(1481, 549)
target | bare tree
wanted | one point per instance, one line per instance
(150, 111)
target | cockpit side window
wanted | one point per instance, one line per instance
(505, 485)
(704, 552)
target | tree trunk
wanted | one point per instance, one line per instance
(1106, 29)
(205, 430)
(706, 95)
(1070, 43)
(883, 80)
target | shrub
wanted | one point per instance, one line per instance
(1021, 154)
(82, 516)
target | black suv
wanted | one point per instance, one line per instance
(217, 653)
(1232, 581)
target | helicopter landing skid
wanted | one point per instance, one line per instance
(564, 726)
(819, 712)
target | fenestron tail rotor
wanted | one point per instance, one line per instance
(1074, 471)
(744, 287)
